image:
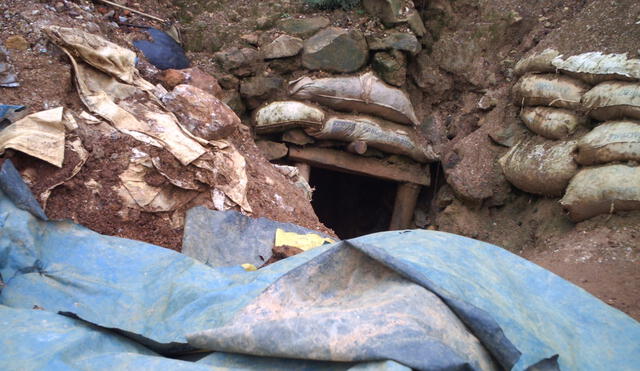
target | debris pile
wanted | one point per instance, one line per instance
(557, 107)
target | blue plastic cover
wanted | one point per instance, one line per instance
(163, 52)
(463, 304)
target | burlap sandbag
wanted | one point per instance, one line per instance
(611, 141)
(595, 67)
(602, 190)
(613, 100)
(281, 116)
(552, 123)
(536, 63)
(549, 90)
(377, 133)
(364, 94)
(539, 166)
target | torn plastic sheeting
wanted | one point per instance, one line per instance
(365, 94)
(158, 296)
(38, 340)
(104, 55)
(163, 52)
(377, 133)
(40, 135)
(10, 113)
(227, 238)
(12, 184)
(110, 86)
(145, 196)
(228, 164)
(412, 325)
(76, 146)
(303, 241)
(244, 362)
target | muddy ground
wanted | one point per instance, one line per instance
(469, 52)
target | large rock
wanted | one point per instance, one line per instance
(282, 47)
(396, 40)
(392, 12)
(234, 59)
(392, 67)
(303, 27)
(335, 49)
(191, 76)
(429, 77)
(258, 89)
(201, 113)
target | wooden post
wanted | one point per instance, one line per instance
(406, 198)
(304, 169)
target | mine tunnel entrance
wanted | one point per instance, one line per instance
(352, 205)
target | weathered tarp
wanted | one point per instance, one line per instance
(478, 297)
(223, 238)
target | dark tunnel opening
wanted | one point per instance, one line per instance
(352, 205)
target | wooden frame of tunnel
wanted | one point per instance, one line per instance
(410, 175)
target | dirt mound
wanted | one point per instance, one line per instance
(90, 197)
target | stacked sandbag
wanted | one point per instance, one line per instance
(392, 131)
(613, 100)
(605, 87)
(602, 190)
(377, 133)
(280, 116)
(365, 94)
(551, 123)
(610, 142)
(549, 90)
(540, 166)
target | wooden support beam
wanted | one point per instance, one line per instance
(405, 204)
(304, 170)
(400, 171)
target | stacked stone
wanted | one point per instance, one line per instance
(596, 172)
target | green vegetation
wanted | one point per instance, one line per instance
(333, 4)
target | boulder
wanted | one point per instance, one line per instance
(272, 150)
(303, 27)
(282, 47)
(392, 67)
(429, 77)
(201, 113)
(392, 12)
(232, 99)
(335, 49)
(258, 89)
(235, 58)
(395, 41)
(191, 76)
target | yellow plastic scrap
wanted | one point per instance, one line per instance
(249, 267)
(302, 241)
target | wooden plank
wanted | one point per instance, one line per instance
(405, 204)
(400, 171)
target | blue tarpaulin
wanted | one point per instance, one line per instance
(386, 301)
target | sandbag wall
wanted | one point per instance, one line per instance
(384, 121)
(585, 112)
(358, 114)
